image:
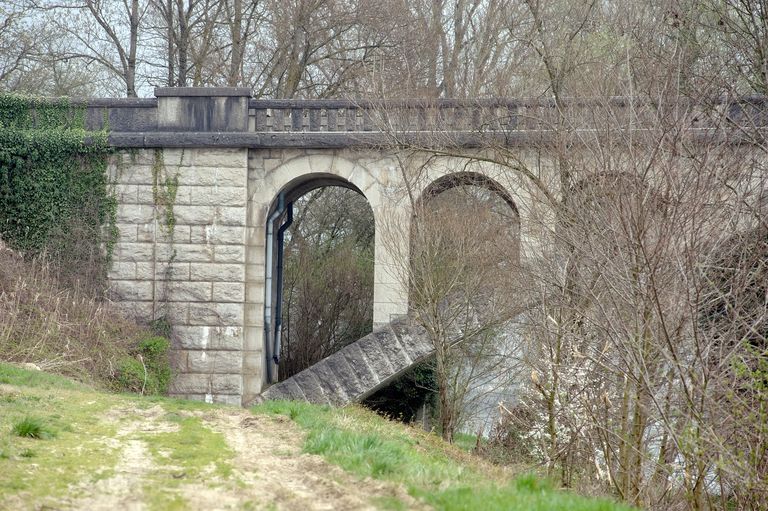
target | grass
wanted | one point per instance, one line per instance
(33, 427)
(184, 451)
(17, 376)
(36, 405)
(444, 476)
(192, 449)
(466, 442)
(66, 415)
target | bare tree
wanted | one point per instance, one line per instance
(459, 266)
(103, 32)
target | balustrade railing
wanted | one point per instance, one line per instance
(494, 115)
(343, 123)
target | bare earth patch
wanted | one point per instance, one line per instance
(124, 490)
(269, 470)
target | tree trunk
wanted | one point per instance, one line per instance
(130, 78)
(171, 47)
(236, 62)
(183, 43)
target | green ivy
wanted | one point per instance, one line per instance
(164, 189)
(53, 177)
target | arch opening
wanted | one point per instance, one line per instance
(319, 272)
(468, 179)
(464, 254)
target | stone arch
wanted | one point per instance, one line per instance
(323, 166)
(476, 179)
(290, 180)
(279, 219)
(468, 178)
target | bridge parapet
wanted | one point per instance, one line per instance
(228, 117)
(495, 115)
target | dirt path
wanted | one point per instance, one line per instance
(270, 462)
(269, 470)
(124, 490)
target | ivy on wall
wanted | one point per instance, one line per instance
(164, 189)
(54, 189)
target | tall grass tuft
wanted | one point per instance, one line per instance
(32, 427)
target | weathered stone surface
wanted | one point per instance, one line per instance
(331, 384)
(228, 291)
(391, 347)
(232, 216)
(217, 272)
(157, 231)
(216, 314)
(131, 289)
(217, 195)
(188, 291)
(126, 193)
(209, 112)
(178, 361)
(357, 362)
(182, 252)
(227, 384)
(164, 271)
(214, 362)
(208, 337)
(139, 311)
(145, 194)
(122, 271)
(232, 176)
(374, 356)
(413, 339)
(357, 370)
(188, 383)
(227, 399)
(176, 313)
(194, 215)
(229, 254)
(345, 375)
(290, 390)
(309, 385)
(134, 174)
(134, 214)
(126, 233)
(218, 234)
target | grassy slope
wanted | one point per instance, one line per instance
(37, 472)
(442, 475)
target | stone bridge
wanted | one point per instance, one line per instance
(205, 179)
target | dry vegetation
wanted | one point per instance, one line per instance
(63, 329)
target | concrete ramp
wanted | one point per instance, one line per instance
(359, 369)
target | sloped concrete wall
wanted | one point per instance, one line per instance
(359, 369)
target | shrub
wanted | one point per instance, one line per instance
(510, 441)
(148, 370)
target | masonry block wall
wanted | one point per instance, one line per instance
(181, 257)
